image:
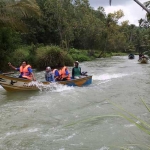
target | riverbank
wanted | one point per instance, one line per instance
(41, 56)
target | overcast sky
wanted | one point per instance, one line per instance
(132, 11)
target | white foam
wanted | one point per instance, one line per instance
(104, 77)
(50, 87)
(129, 125)
(104, 148)
(31, 130)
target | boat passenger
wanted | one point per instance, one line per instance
(49, 75)
(25, 71)
(64, 74)
(140, 56)
(76, 71)
(56, 74)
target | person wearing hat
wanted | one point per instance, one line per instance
(49, 75)
(76, 71)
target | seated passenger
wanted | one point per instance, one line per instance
(76, 71)
(140, 56)
(64, 74)
(56, 74)
(49, 76)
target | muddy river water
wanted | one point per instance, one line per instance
(81, 118)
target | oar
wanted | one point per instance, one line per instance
(7, 73)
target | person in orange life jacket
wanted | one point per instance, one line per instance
(64, 73)
(76, 71)
(56, 74)
(25, 71)
(49, 75)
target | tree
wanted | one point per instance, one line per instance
(12, 12)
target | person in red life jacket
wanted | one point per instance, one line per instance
(25, 71)
(64, 74)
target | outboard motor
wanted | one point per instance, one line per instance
(84, 73)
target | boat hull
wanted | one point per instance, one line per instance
(131, 56)
(19, 84)
(143, 60)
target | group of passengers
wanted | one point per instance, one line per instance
(51, 75)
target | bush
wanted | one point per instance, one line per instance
(9, 41)
(80, 57)
(74, 51)
(52, 56)
(19, 55)
(68, 60)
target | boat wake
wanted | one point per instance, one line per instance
(105, 77)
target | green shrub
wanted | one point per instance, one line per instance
(74, 51)
(9, 41)
(52, 56)
(68, 60)
(80, 57)
(19, 55)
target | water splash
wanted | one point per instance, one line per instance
(50, 87)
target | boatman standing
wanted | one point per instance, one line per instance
(25, 71)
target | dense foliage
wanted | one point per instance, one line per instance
(67, 24)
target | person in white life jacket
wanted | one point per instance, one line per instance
(49, 75)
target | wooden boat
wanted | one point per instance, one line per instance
(143, 60)
(18, 84)
(131, 56)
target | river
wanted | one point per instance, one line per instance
(80, 118)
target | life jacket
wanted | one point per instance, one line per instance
(25, 73)
(49, 76)
(54, 72)
(62, 73)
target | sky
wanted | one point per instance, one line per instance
(132, 11)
